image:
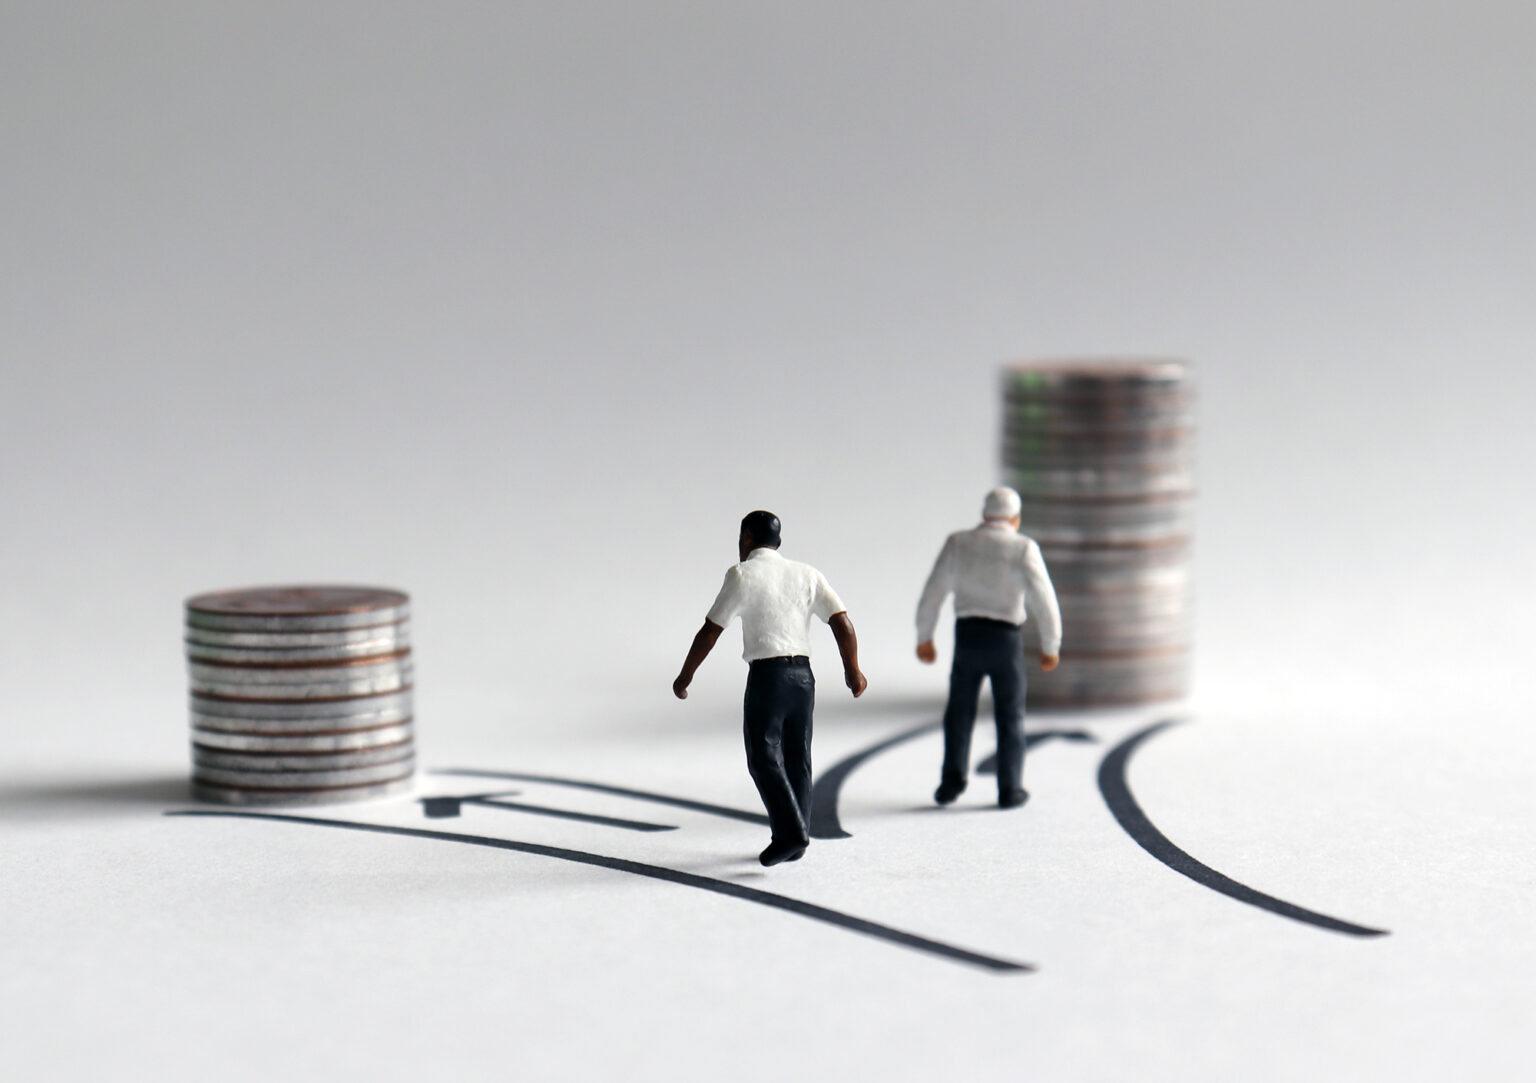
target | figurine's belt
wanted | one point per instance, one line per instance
(783, 660)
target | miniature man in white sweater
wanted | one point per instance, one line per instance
(998, 578)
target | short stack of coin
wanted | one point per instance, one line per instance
(1102, 453)
(300, 695)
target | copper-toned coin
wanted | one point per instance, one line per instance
(297, 608)
(302, 658)
(228, 673)
(1081, 696)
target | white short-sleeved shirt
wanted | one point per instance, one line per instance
(993, 572)
(775, 599)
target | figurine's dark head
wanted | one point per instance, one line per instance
(758, 530)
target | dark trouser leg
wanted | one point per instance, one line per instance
(770, 699)
(960, 713)
(1008, 684)
(797, 741)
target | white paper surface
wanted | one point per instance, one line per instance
(288, 947)
(521, 307)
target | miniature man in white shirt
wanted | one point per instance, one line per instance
(998, 578)
(776, 599)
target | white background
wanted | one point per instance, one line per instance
(521, 307)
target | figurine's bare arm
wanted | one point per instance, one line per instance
(703, 643)
(848, 647)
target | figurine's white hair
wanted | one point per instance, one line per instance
(1001, 503)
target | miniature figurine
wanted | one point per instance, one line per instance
(776, 599)
(998, 578)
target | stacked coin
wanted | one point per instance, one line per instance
(300, 695)
(1102, 453)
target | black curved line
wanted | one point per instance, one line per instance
(826, 790)
(619, 791)
(654, 872)
(988, 766)
(1117, 795)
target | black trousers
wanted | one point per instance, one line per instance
(994, 650)
(781, 694)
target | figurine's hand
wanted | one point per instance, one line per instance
(1048, 661)
(680, 688)
(926, 652)
(856, 683)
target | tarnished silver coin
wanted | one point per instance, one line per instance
(303, 780)
(1116, 576)
(1139, 464)
(301, 727)
(1096, 561)
(1068, 416)
(398, 633)
(297, 608)
(331, 795)
(1120, 467)
(1026, 442)
(1129, 640)
(279, 684)
(352, 653)
(1157, 668)
(302, 692)
(1043, 485)
(204, 756)
(1126, 607)
(1061, 534)
(1091, 630)
(1090, 584)
(1024, 388)
(1089, 374)
(373, 737)
(1083, 696)
(1153, 640)
(1130, 606)
(1105, 435)
(343, 712)
(1164, 508)
(1065, 685)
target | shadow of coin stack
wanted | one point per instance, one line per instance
(300, 695)
(1102, 453)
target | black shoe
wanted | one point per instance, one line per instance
(1012, 798)
(787, 850)
(948, 790)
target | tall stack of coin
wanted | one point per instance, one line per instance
(1102, 453)
(300, 695)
